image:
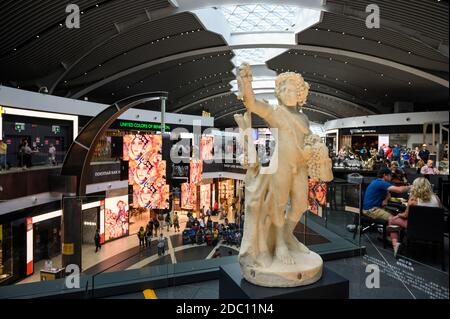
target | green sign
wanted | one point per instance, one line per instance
(19, 127)
(56, 129)
(141, 125)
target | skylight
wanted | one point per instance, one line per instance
(255, 56)
(261, 17)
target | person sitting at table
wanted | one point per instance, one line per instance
(377, 195)
(429, 169)
(398, 175)
(422, 195)
(419, 166)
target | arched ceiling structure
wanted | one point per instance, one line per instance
(190, 49)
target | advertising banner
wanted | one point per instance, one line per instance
(188, 196)
(116, 217)
(317, 196)
(146, 170)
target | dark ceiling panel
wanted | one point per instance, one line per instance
(336, 31)
(202, 74)
(41, 56)
(150, 41)
(369, 83)
(428, 17)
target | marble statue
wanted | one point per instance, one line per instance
(270, 254)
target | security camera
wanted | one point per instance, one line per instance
(43, 89)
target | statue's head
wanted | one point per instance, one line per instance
(291, 89)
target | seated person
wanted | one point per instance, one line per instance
(398, 175)
(419, 166)
(196, 223)
(429, 169)
(377, 195)
(422, 195)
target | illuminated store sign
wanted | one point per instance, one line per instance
(360, 131)
(141, 125)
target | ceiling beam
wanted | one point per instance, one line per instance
(214, 50)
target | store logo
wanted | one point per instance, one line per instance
(373, 19)
(73, 19)
(72, 276)
(373, 279)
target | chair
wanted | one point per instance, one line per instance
(435, 181)
(426, 224)
(366, 223)
(410, 171)
(412, 177)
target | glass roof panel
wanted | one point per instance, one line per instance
(261, 18)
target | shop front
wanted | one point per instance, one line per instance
(6, 253)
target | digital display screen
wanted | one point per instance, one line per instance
(206, 148)
(317, 196)
(188, 196)
(196, 169)
(146, 170)
(116, 217)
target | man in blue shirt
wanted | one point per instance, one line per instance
(377, 195)
(396, 153)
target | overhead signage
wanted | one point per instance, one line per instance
(141, 125)
(361, 131)
(107, 172)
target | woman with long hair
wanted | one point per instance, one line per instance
(422, 195)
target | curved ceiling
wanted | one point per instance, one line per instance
(129, 47)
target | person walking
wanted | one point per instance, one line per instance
(161, 244)
(147, 235)
(3, 152)
(156, 225)
(52, 154)
(141, 235)
(98, 246)
(26, 152)
(176, 222)
(151, 226)
(168, 221)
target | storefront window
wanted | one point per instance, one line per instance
(5, 252)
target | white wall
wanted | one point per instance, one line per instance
(417, 118)
(22, 99)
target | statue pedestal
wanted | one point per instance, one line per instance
(306, 270)
(232, 285)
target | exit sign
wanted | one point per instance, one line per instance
(56, 129)
(19, 127)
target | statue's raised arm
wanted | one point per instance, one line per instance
(246, 94)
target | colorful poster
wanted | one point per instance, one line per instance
(317, 196)
(205, 196)
(196, 169)
(146, 171)
(116, 217)
(188, 196)
(206, 148)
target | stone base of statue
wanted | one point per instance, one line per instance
(232, 285)
(306, 270)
